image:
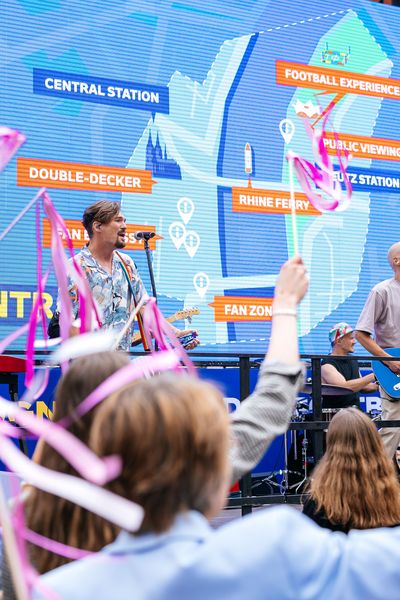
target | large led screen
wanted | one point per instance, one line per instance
(184, 112)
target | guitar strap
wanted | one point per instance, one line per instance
(129, 276)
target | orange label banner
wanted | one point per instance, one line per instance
(238, 308)
(79, 236)
(270, 201)
(335, 80)
(363, 147)
(77, 176)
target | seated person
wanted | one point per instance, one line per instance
(354, 485)
(344, 372)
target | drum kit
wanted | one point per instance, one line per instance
(295, 439)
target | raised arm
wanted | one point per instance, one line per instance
(266, 413)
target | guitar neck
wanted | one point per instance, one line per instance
(136, 338)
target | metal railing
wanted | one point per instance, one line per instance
(316, 425)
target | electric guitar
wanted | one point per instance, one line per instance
(388, 380)
(185, 313)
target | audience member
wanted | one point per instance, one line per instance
(344, 371)
(354, 485)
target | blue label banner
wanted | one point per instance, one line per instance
(127, 94)
(371, 180)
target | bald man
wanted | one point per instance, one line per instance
(378, 328)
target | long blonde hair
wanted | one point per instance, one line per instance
(355, 483)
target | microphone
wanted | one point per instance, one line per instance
(144, 235)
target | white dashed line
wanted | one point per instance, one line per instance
(339, 12)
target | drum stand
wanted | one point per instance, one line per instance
(284, 486)
(304, 447)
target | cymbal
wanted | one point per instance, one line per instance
(328, 390)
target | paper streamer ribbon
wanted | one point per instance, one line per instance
(83, 460)
(155, 324)
(56, 547)
(16, 558)
(10, 142)
(88, 310)
(106, 504)
(61, 266)
(94, 470)
(322, 175)
(142, 367)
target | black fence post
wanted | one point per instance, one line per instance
(244, 379)
(318, 434)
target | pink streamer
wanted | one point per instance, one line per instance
(93, 469)
(22, 213)
(163, 361)
(84, 461)
(171, 357)
(322, 175)
(10, 142)
(37, 313)
(52, 546)
(110, 506)
(114, 508)
(155, 324)
(87, 305)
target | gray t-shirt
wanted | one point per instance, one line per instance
(381, 314)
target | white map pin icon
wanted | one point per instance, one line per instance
(192, 242)
(287, 129)
(177, 233)
(201, 282)
(186, 209)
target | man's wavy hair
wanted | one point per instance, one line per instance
(103, 212)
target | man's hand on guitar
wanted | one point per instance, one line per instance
(193, 342)
(394, 365)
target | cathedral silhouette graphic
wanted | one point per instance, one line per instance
(159, 163)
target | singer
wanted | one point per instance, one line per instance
(107, 270)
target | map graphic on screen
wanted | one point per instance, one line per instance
(184, 112)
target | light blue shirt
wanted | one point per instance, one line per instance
(276, 553)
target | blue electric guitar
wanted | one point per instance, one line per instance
(388, 380)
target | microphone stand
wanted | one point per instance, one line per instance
(150, 266)
(146, 238)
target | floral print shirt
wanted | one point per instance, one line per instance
(111, 291)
